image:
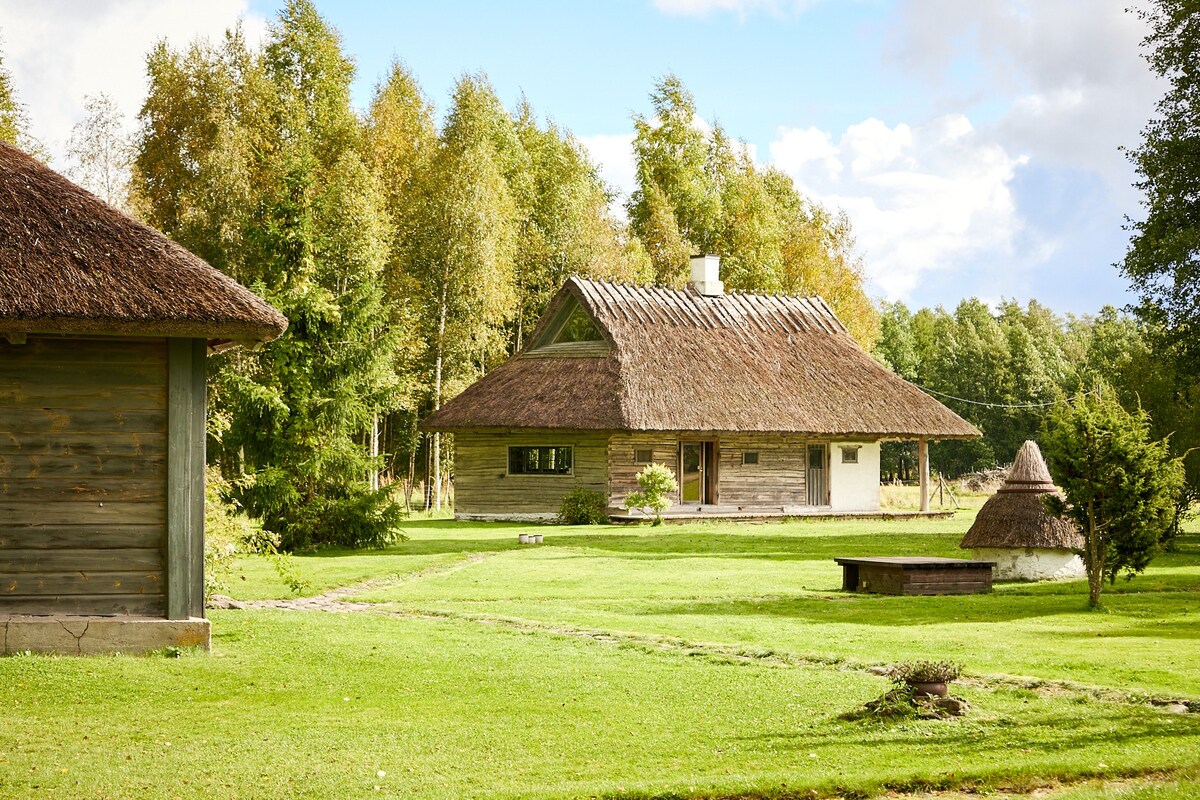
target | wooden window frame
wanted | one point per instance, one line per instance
(850, 453)
(570, 473)
(750, 458)
(639, 451)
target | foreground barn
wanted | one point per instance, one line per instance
(104, 329)
(762, 405)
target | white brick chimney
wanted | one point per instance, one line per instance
(706, 275)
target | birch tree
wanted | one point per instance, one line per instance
(462, 265)
(101, 151)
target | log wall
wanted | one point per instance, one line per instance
(83, 476)
(623, 470)
(482, 484)
(777, 480)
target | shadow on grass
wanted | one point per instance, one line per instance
(877, 609)
(830, 605)
(668, 545)
(1060, 734)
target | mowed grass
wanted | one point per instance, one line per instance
(708, 660)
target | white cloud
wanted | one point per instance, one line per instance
(701, 8)
(1066, 75)
(613, 154)
(922, 199)
(59, 50)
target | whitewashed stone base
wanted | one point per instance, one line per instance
(1029, 564)
(83, 636)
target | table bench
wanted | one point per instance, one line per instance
(916, 575)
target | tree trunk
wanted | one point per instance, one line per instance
(411, 479)
(1095, 564)
(437, 401)
(375, 451)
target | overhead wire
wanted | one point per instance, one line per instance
(988, 405)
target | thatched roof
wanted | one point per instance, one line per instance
(676, 360)
(1015, 517)
(70, 263)
(1028, 472)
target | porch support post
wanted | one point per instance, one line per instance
(923, 471)
(185, 477)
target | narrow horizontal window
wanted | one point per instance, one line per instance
(539, 460)
(850, 453)
(643, 456)
(750, 457)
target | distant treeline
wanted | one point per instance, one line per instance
(1004, 369)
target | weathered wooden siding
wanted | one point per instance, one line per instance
(482, 484)
(777, 480)
(83, 455)
(623, 470)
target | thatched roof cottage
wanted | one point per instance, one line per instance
(104, 328)
(1014, 529)
(761, 404)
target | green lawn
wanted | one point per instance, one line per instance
(680, 661)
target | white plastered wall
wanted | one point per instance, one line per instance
(1029, 564)
(854, 487)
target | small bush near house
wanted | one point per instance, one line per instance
(657, 482)
(583, 507)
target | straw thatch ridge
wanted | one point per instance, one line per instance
(681, 361)
(1028, 472)
(1014, 517)
(72, 264)
(1018, 520)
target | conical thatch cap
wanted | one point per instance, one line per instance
(1028, 472)
(1014, 517)
(72, 264)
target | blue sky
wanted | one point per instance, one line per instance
(974, 145)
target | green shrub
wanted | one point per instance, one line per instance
(656, 482)
(583, 507)
(925, 672)
(359, 518)
(229, 532)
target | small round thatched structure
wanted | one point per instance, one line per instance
(1014, 529)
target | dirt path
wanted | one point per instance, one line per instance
(338, 600)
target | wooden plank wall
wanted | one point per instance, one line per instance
(777, 480)
(482, 485)
(83, 452)
(623, 470)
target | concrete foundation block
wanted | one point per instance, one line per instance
(70, 635)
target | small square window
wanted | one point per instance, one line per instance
(750, 457)
(850, 453)
(643, 456)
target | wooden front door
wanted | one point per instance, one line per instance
(697, 473)
(817, 477)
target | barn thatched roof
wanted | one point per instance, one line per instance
(1015, 517)
(71, 263)
(676, 360)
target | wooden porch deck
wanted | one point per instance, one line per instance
(765, 514)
